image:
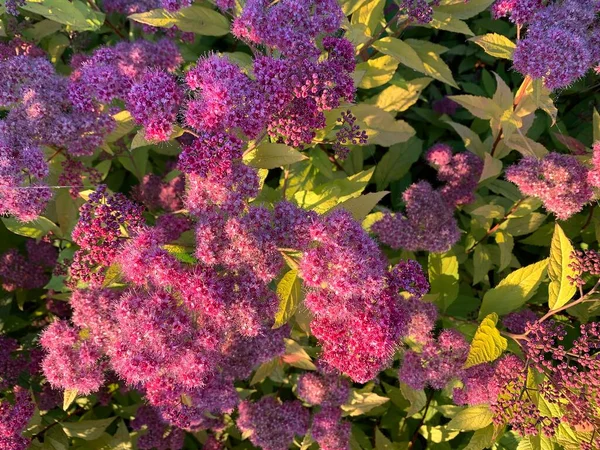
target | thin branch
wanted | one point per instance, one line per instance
(497, 226)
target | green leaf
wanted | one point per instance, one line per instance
(487, 344)
(382, 442)
(78, 15)
(482, 107)
(125, 124)
(289, 291)
(514, 290)
(36, 229)
(596, 124)
(520, 226)
(417, 399)
(506, 243)
(492, 167)
(264, 370)
(396, 162)
(296, 356)
(433, 65)
(401, 51)
(472, 418)
(270, 156)
(481, 439)
(471, 139)
(181, 253)
(376, 72)
(86, 429)
(443, 277)
(495, 45)
(400, 98)
(525, 145)
(382, 127)
(463, 10)
(445, 21)
(113, 275)
(362, 402)
(560, 290)
(194, 19)
(361, 206)
(66, 211)
(482, 263)
(135, 161)
(69, 397)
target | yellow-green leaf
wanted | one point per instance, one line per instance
(525, 145)
(463, 10)
(396, 162)
(296, 356)
(495, 45)
(361, 403)
(472, 418)
(361, 206)
(560, 290)
(377, 71)
(401, 51)
(445, 21)
(482, 107)
(270, 156)
(471, 139)
(125, 125)
(482, 263)
(487, 344)
(369, 15)
(514, 290)
(194, 19)
(433, 65)
(290, 294)
(36, 229)
(400, 98)
(443, 277)
(382, 127)
(78, 15)
(69, 397)
(86, 429)
(417, 399)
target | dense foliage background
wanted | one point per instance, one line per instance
(364, 224)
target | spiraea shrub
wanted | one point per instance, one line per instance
(299, 224)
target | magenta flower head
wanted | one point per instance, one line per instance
(559, 181)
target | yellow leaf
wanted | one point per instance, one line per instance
(361, 206)
(487, 344)
(430, 56)
(194, 19)
(495, 45)
(400, 98)
(561, 290)
(69, 397)
(401, 51)
(482, 107)
(382, 127)
(471, 418)
(290, 294)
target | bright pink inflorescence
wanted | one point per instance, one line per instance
(559, 181)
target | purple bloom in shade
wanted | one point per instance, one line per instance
(479, 386)
(421, 317)
(156, 434)
(440, 361)
(225, 98)
(329, 429)
(10, 365)
(16, 272)
(539, 56)
(461, 176)
(13, 420)
(419, 10)
(439, 155)
(70, 362)
(445, 106)
(175, 5)
(154, 102)
(157, 194)
(429, 223)
(211, 442)
(272, 425)
(594, 173)
(73, 174)
(323, 389)
(520, 11)
(559, 181)
(517, 322)
(211, 155)
(169, 227)
(408, 276)
(288, 25)
(225, 5)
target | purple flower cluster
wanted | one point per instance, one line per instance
(559, 181)
(349, 133)
(520, 11)
(594, 173)
(329, 430)
(20, 272)
(429, 223)
(272, 425)
(419, 10)
(129, 7)
(158, 435)
(155, 193)
(584, 262)
(323, 389)
(571, 24)
(13, 419)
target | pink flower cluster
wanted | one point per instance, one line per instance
(572, 24)
(559, 181)
(429, 223)
(520, 11)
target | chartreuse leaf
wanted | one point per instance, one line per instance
(289, 291)
(125, 124)
(76, 14)
(463, 10)
(180, 252)
(443, 277)
(495, 45)
(401, 51)
(487, 344)
(481, 439)
(514, 290)
(472, 418)
(471, 139)
(444, 21)
(36, 229)
(369, 15)
(482, 262)
(362, 402)
(194, 19)
(400, 98)
(506, 243)
(361, 206)
(86, 429)
(482, 107)
(433, 65)
(560, 290)
(270, 156)
(377, 71)
(69, 397)
(382, 127)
